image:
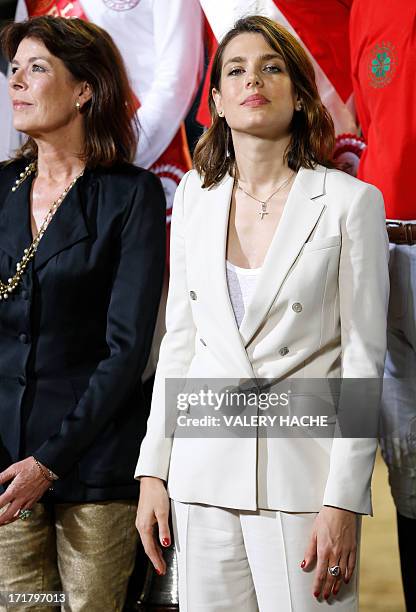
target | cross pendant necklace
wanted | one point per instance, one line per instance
(263, 210)
(263, 203)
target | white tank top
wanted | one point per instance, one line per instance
(241, 284)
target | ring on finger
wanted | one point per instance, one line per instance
(25, 514)
(334, 571)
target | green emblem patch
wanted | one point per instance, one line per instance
(382, 64)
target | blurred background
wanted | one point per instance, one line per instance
(381, 587)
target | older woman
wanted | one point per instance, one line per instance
(279, 269)
(81, 267)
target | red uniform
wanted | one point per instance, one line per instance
(383, 52)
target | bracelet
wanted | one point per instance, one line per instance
(48, 474)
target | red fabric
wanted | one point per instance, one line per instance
(56, 8)
(323, 27)
(385, 95)
(203, 115)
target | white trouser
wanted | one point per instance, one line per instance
(247, 561)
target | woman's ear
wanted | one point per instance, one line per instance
(216, 96)
(298, 103)
(84, 93)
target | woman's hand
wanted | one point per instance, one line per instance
(153, 510)
(333, 542)
(27, 487)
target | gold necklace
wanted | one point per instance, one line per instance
(263, 210)
(29, 253)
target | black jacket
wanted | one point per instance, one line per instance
(76, 335)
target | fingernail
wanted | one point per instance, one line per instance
(303, 564)
(166, 542)
(316, 594)
(335, 592)
(347, 580)
(158, 572)
(326, 595)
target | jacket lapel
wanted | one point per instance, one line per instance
(301, 213)
(67, 227)
(217, 203)
(15, 234)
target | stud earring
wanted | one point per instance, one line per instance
(299, 106)
(78, 106)
(221, 113)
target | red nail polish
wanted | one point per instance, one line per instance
(303, 564)
(347, 581)
(316, 594)
(158, 572)
(166, 542)
(326, 595)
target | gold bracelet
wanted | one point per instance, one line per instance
(49, 475)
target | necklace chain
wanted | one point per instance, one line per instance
(263, 210)
(29, 253)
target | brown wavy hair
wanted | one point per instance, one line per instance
(89, 53)
(312, 130)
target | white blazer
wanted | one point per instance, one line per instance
(330, 255)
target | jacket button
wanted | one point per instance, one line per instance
(21, 380)
(297, 307)
(23, 338)
(283, 351)
(192, 295)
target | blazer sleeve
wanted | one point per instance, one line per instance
(363, 292)
(131, 318)
(176, 351)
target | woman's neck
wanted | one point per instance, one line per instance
(260, 163)
(58, 161)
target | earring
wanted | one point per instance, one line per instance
(299, 106)
(78, 106)
(221, 113)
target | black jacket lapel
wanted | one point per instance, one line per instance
(66, 228)
(15, 233)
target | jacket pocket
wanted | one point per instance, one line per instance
(322, 243)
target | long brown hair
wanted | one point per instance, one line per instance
(89, 53)
(312, 130)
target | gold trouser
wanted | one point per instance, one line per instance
(86, 550)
